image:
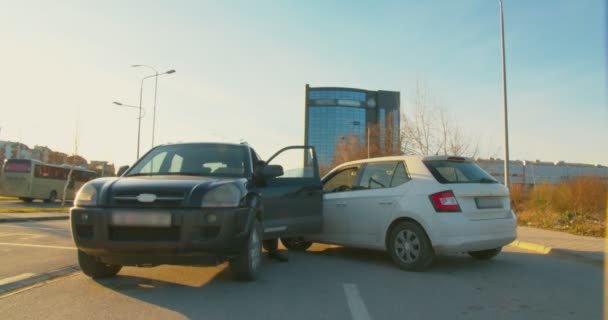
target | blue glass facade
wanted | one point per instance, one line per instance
(327, 125)
(336, 94)
(333, 114)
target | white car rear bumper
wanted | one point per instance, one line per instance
(459, 234)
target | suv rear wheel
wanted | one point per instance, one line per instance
(410, 247)
(296, 244)
(95, 269)
(246, 266)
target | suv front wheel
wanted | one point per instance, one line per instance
(246, 266)
(95, 269)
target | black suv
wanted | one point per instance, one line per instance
(197, 204)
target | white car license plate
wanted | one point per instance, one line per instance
(142, 219)
(488, 202)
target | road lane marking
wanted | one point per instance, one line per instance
(35, 246)
(355, 304)
(16, 278)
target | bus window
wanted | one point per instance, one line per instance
(18, 166)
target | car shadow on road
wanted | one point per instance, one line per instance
(314, 278)
(287, 289)
(442, 263)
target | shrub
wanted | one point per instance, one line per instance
(577, 206)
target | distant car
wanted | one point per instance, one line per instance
(196, 204)
(415, 208)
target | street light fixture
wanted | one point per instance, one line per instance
(155, 75)
(138, 121)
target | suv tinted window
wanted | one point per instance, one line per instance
(458, 171)
(194, 159)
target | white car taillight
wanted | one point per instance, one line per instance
(445, 201)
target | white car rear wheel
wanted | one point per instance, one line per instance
(485, 254)
(410, 247)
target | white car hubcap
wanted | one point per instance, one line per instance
(407, 246)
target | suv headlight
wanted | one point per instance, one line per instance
(86, 197)
(227, 195)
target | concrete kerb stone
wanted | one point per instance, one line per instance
(26, 219)
(18, 286)
(531, 246)
(560, 253)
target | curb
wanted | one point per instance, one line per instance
(12, 219)
(531, 246)
(34, 210)
(560, 253)
(18, 286)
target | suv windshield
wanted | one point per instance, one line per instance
(458, 171)
(222, 160)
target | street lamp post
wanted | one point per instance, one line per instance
(155, 75)
(504, 99)
(138, 121)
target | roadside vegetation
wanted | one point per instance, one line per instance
(577, 206)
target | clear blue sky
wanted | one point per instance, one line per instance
(242, 67)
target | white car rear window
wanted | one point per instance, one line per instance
(458, 171)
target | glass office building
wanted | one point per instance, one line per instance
(333, 114)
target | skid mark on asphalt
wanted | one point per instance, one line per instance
(355, 304)
(36, 246)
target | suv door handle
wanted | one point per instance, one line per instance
(341, 204)
(386, 203)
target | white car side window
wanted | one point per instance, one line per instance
(400, 177)
(341, 181)
(377, 175)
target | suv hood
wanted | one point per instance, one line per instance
(173, 191)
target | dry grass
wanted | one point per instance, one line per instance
(577, 206)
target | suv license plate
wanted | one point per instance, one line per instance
(142, 219)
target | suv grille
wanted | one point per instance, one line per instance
(163, 199)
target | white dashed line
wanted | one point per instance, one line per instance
(35, 246)
(356, 305)
(20, 277)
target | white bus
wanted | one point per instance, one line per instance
(29, 180)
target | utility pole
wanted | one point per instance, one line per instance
(504, 98)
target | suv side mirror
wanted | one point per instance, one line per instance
(122, 170)
(272, 171)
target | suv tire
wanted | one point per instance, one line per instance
(95, 269)
(296, 244)
(246, 266)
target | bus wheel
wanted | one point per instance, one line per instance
(52, 197)
(28, 200)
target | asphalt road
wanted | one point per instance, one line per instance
(326, 283)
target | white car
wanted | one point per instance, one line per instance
(415, 208)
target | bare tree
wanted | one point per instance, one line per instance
(430, 130)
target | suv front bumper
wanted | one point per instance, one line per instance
(193, 237)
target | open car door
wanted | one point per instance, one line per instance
(293, 202)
